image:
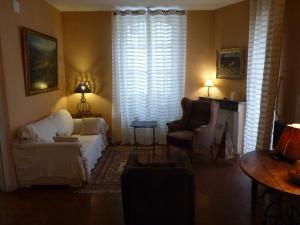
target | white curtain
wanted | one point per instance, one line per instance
(149, 51)
(2, 143)
(4, 175)
(265, 40)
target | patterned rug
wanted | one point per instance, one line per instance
(105, 177)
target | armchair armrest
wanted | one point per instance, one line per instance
(175, 126)
(132, 161)
(204, 136)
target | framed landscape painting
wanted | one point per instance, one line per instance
(230, 63)
(40, 62)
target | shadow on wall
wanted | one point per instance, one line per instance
(90, 78)
(90, 73)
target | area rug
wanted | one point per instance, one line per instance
(105, 177)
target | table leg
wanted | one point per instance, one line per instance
(153, 139)
(254, 189)
(134, 141)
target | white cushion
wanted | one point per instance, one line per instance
(92, 147)
(44, 129)
(65, 139)
(90, 126)
(63, 122)
(87, 142)
(26, 134)
(86, 138)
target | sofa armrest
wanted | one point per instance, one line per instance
(71, 147)
(34, 160)
(103, 126)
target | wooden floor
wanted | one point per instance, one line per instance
(222, 197)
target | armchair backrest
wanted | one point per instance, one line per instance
(195, 113)
(157, 195)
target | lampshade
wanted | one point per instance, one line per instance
(82, 88)
(289, 142)
(209, 83)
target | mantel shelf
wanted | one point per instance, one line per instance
(225, 103)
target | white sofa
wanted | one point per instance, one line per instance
(39, 160)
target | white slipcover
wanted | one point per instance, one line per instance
(41, 161)
(44, 129)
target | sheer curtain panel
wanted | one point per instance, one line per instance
(265, 40)
(149, 49)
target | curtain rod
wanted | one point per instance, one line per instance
(150, 12)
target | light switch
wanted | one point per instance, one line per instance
(17, 8)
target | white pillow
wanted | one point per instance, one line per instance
(63, 122)
(25, 134)
(65, 139)
(44, 129)
(90, 126)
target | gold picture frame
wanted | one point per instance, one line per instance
(230, 63)
(40, 62)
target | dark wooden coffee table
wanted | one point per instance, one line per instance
(272, 173)
(144, 124)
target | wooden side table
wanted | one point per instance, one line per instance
(77, 115)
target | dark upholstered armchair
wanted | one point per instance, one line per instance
(158, 194)
(196, 128)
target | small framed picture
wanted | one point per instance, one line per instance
(230, 63)
(40, 62)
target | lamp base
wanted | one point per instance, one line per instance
(83, 108)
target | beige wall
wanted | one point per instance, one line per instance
(200, 58)
(231, 31)
(39, 16)
(207, 32)
(88, 52)
(5, 139)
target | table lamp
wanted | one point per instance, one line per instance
(83, 107)
(289, 147)
(208, 84)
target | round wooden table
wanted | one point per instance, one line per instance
(264, 169)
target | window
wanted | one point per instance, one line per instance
(148, 70)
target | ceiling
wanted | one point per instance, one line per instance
(102, 5)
